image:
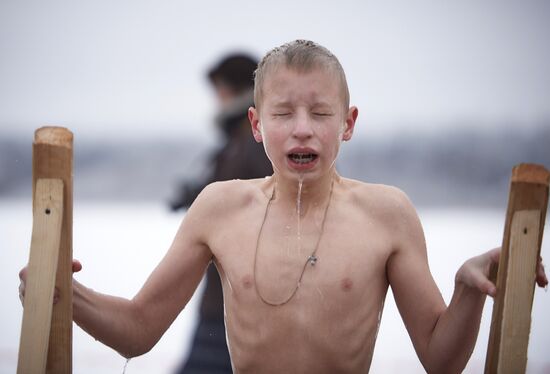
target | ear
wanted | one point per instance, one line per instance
(351, 117)
(254, 118)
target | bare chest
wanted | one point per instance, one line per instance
(332, 267)
(278, 303)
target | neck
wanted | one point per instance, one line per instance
(312, 192)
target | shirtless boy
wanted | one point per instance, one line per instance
(305, 256)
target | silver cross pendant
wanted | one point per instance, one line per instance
(312, 260)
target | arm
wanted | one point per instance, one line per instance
(132, 327)
(454, 336)
(443, 337)
(416, 294)
(472, 285)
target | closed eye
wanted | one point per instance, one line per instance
(322, 114)
(280, 114)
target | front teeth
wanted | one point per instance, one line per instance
(302, 158)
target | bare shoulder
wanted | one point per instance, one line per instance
(384, 200)
(220, 199)
(392, 209)
(389, 208)
(220, 205)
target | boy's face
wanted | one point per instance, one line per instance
(302, 120)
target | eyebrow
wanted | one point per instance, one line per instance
(282, 104)
(322, 104)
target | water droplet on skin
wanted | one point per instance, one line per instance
(321, 294)
(379, 320)
(299, 197)
(230, 286)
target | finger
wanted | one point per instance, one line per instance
(492, 265)
(55, 295)
(23, 274)
(22, 292)
(483, 284)
(489, 288)
(478, 280)
(494, 255)
(77, 266)
(541, 278)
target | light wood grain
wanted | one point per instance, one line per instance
(53, 158)
(42, 269)
(516, 314)
(515, 279)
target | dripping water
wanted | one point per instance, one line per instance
(299, 212)
(125, 365)
(379, 320)
(299, 197)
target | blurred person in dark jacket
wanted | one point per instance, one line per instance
(240, 157)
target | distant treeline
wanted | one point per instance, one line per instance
(458, 167)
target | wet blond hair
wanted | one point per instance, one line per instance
(303, 56)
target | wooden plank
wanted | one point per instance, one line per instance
(40, 284)
(516, 313)
(515, 279)
(53, 158)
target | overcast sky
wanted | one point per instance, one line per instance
(136, 68)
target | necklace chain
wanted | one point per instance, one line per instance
(312, 259)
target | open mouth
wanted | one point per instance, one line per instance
(302, 158)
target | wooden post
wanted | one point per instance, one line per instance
(511, 320)
(53, 159)
(40, 284)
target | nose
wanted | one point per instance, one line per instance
(303, 127)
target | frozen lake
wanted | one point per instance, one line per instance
(120, 244)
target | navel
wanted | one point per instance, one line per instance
(346, 284)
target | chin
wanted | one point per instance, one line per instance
(308, 175)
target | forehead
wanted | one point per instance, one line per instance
(288, 85)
